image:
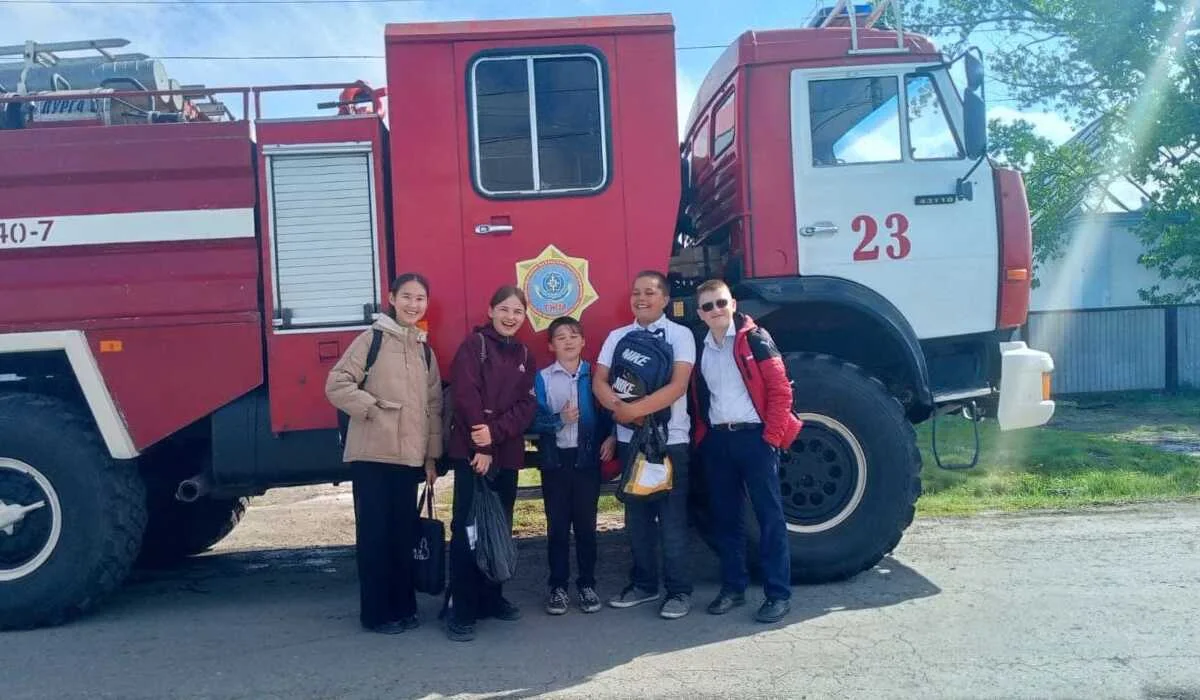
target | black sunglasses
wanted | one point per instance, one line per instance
(709, 305)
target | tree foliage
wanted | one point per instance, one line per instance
(1132, 64)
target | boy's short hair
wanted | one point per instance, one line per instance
(657, 276)
(564, 322)
(713, 285)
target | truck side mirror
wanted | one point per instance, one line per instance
(974, 108)
(974, 125)
(974, 70)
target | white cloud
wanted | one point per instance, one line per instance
(1048, 124)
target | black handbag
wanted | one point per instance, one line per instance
(429, 551)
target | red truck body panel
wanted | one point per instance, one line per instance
(151, 245)
(623, 228)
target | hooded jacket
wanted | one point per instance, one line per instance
(396, 417)
(491, 382)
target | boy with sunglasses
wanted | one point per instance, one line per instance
(743, 403)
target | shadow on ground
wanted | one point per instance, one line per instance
(283, 623)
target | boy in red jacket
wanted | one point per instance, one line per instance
(743, 417)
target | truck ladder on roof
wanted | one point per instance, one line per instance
(848, 9)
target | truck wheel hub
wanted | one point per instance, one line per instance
(822, 476)
(30, 519)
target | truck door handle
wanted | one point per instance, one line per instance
(821, 227)
(493, 229)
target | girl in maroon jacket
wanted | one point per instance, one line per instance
(494, 404)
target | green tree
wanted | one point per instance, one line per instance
(1133, 65)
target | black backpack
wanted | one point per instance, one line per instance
(641, 365)
(372, 355)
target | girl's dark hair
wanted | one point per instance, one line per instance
(507, 291)
(407, 277)
(402, 280)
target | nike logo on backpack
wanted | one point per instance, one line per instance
(635, 358)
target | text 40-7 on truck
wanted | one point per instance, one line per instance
(177, 275)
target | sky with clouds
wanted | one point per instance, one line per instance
(211, 30)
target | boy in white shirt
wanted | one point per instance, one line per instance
(643, 521)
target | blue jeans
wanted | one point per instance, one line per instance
(737, 464)
(665, 520)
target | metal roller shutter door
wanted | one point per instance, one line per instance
(323, 227)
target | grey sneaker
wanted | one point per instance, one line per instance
(675, 606)
(631, 596)
(589, 602)
(558, 602)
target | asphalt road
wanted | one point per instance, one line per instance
(1101, 604)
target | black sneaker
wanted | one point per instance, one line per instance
(396, 627)
(773, 610)
(589, 602)
(726, 601)
(459, 633)
(558, 602)
(410, 623)
(502, 609)
(631, 596)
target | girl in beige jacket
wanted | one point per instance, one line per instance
(393, 440)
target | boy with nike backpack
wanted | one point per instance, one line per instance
(642, 377)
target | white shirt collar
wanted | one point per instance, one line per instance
(660, 323)
(712, 343)
(557, 367)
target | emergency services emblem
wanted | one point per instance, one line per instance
(556, 285)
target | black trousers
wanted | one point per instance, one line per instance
(385, 527)
(570, 497)
(471, 595)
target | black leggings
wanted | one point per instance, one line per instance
(471, 595)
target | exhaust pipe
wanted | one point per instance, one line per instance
(195, 488)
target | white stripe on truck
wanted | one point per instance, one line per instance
(20, 233)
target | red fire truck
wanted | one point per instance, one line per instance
(177, 276)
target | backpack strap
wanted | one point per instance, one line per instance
(372, 354)
(428, 356)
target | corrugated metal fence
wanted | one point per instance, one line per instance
(1094, 350)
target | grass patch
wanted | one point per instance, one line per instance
(1047, 468)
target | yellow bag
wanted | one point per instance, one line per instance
(649, 474)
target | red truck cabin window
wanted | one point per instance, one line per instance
(723, 125)
(539, 123)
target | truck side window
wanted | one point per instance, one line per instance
(700, 147)
(551, 139)
(855, 120)
(930, 136)
(723, 125)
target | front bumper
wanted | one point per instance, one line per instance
(1024, 387)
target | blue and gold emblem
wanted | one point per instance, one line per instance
(557, 285)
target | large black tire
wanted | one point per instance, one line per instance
(66, 555)
(857, 444)
(850, 481)
(176, 530)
